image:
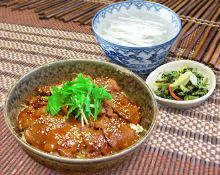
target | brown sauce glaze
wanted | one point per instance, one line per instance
(109, 84)
(53, 134)
(28, 115)
(111, 131)
(124, 107)
(117, 131)
(95, 142)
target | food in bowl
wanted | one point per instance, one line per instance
(206, 72)
(136, 34)
(184, 84)
(140, 29)
(82, 118)
(52, 74)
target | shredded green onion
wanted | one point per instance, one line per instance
(82, 96)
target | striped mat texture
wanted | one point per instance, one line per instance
(184, 141)
(198, 39)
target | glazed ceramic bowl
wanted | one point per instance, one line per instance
(56, 72)
(142, 59)
(177, 65)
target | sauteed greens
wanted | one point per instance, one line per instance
(80, 95)
(185, 84)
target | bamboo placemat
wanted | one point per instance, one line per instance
(199, 39)
(184, 141)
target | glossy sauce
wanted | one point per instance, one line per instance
(109, 133)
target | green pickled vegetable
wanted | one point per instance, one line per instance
(186, 84)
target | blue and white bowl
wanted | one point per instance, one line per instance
(140, 60)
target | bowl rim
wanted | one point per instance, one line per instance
(195, 101)
(137, 48)
(86, 160)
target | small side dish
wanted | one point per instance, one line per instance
(182, 84)
(82, 118)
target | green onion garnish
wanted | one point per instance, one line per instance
(81, 95)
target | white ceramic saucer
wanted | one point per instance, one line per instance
(176, 65)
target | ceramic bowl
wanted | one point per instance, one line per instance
(56, 72)
(140, 60)
(177, 65)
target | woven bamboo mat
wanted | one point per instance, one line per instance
(184, 141)
(199, 39)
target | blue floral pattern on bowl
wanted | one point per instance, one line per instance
(140, 60)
